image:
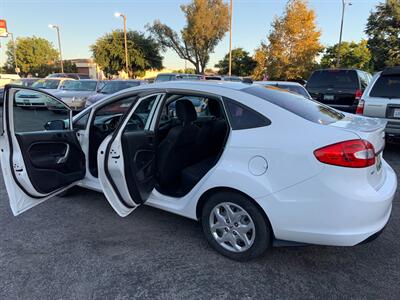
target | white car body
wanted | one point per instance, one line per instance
(305, 201)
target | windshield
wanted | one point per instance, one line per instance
(164, 77)
(333, 78)
(308, 109)
(46, 84)
(386, 87)
(79, 85)
(116, 86)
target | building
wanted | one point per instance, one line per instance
(89, 67)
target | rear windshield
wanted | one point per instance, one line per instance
(112, 87)
(308, 109)
(386, 87)
(333, 78)
(46, 84)
(292, 88)
(164, 78)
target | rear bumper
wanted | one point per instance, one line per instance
(316, 212)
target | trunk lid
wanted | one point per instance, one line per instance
(373, 131)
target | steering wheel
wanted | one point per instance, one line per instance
(111, 124)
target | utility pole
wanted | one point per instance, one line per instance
(341, 32)
(59, 45)
(230, 38)
(117, 14)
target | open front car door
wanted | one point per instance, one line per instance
(40, 153)
(126, 159)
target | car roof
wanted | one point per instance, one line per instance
(278, 83)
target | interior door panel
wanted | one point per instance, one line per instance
(53, 159)
(139, 156)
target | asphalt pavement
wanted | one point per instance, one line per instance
(78, 248)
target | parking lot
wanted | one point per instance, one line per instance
(78, 247)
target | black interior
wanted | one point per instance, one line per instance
(191, 147)
(173, 158)
(43, 154)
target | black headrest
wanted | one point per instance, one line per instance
(214, 108)
(185, 111)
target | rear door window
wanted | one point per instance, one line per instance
(243, 117)
(386, 87)
(308, 109)
(333, 78)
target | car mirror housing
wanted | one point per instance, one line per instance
(55, 125)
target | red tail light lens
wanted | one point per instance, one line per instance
(358, 94)
(360, 107)
(350, 154)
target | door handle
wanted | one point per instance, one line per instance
(64, 158)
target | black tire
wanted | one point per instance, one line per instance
(263, 231)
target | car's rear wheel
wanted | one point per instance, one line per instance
(235, 226)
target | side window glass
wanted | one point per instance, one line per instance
(35, 111)
(141, 117)
(81, 123)
(117, 108)
(242, 117)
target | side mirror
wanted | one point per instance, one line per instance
(55, 125)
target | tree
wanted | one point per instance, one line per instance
(143, 53)
(293, 44)
(383, 30)
(207, 21)
(353, 55)
(260, 57)
(34, 56)
(242, 63)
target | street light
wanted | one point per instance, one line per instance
(14, 52)
(117, 15)
(59, 44)
(344, 3)
(230, 38)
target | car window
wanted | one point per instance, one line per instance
(293, 88)
(306, 108)
(116, 86)
(81, 122)
(163, 77)
(37, 116)
(243, 117)
(387, 86)
(140, 118)
(333, 78)
(112, 110)
(46, 84)
(78, 85)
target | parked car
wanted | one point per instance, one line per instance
(76, 76)
(338, 88)
(293, 87)
(177, 76)
(246, 169)
(50, 85)
(74, 93)
(111, 87)
(381, 99)
(22, 81)
(223, 78)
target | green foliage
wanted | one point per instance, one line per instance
(34, 56)
(352, 55)
(383, 30)
(242, 63)
(293, 44)
(143, 53)
(207, 21)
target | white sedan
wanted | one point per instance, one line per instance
(258, 167)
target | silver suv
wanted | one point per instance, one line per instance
(381, 99)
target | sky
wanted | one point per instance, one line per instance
(83, 21)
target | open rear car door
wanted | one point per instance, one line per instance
(40, 153)
(126, 159)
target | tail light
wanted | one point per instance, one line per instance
(360, 107)
(351, 154)
(358, 94)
